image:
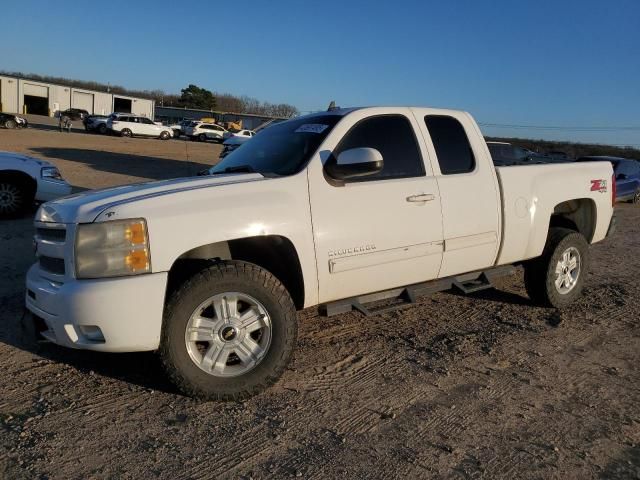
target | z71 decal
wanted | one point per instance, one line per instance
(599, 186)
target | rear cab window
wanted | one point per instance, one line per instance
(451, 143)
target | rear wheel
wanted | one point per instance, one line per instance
(556, 278)
(636, 197)
(126, 133)
(11, 124)
(202, 137)
(14, 197)
(228, 332)
(102, 129)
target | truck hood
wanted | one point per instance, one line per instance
(86, 206)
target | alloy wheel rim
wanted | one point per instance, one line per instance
(10, 197)
(568, 270)
(228, 334)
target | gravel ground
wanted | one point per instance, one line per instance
(485, 386)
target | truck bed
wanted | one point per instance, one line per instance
(531, 194)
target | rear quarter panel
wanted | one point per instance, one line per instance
(531, 192)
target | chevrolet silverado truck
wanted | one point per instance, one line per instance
(352, 209)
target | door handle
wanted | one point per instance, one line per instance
(423, 197)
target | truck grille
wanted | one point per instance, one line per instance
(50, 240)
(52, 234)
(52, 265)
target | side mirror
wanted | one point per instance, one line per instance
(355, 162)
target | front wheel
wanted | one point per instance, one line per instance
(165, 136)
(14, 198)
(556, 278)
(636, 197)
(228, 332)
(102, 129)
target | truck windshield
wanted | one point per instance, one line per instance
(282, 149)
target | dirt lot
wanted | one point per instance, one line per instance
(485, 386)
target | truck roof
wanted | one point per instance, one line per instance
(345, 111)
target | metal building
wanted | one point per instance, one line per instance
(21, 95)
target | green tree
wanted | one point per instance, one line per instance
(196, 97)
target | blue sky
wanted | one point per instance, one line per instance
(545, 63)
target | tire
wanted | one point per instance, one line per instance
(636, 197)
(224, 375)
(15, 196)
(102, 129)
(542, 274)
(10, 124)
(165, 136)
(202, 137)
(125, 132)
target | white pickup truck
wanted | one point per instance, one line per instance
(342, 210)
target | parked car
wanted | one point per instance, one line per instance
(238, 133)
(75, 113)
(24, 179)
(8, 120)
(504, 154)
(627, 173)
(558, 155)
(93, 123)
(128, 125)
(337, 210)
(204, 131)
(231, 144)
(179, 129)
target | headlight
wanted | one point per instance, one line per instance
(112, 249)
(51, 173)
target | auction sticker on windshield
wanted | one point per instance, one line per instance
(311, 128)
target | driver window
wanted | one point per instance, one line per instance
(394, 138)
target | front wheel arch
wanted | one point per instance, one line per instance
(275, 253)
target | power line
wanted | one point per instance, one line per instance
(567, 128)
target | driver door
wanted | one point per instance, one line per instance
(382, 231)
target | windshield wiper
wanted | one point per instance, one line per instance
(236, 169)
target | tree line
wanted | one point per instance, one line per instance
(573, 150)
(197, 97)
(190, 97)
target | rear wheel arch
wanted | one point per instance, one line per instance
(579, 215)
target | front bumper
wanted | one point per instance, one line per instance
(51, 189)
(127, 311)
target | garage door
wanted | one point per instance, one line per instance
(82, 100)
(36, 90)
